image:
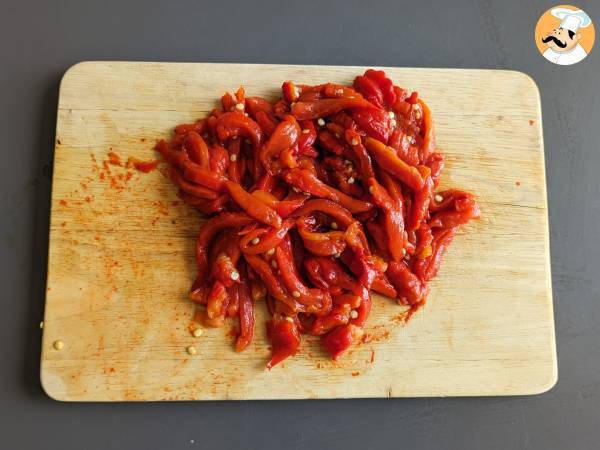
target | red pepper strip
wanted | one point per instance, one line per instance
(322, 244)
(219, 160)
(252, 206)
(192, 188)
(197, 149)
(335, 276)
(283, 207)
(233, 170)
(308, 110)
(436, 164)
(285, 136)
(465, 209)
(424, 240)
(205, 206)
(340, 339)
(199, 127)
(374, 122)
(388, 161)
(449, 198)
(364, 160)
(233, 307)
(307, 137)
(246, 313)
(256, 104)
(228, 102)
(233, 124)
(193, 172)
(290, 91)
(420, 207)
(268, 238)
(348, 298)
(393, 221)
(383, 286)
(385, 85)
(317, 301)
(427, 131)
(216, 301)
(309, 93)
(308, 182)
(209, 230)
(272, 282)
(240, 94)
(427, 268)
(267, 123)
(224, 271)
(363, 311)
(289, 273)
(369, 89)
(284, 338)
(339, 315)
(407, 284)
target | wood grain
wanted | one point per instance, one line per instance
(121, 250)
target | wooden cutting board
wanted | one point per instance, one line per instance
(121, 250)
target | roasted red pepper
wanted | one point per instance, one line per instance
(284, 337)
(314, 200)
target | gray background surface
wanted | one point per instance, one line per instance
(38, 42)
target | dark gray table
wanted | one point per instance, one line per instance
(38, 42)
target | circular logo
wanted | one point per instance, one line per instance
(565, 35)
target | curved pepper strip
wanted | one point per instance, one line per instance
(246, 317)
(284, 338)
(316, 301)
(382, 285)
(209, 230)
(420, 206)
(388, 161)
(265, 272)
(252, 206)
(339, 315)
(336, 342)
(283, 137)
(194, 172)
(217, 301)
(233, 124)
(393, 221)
(267, 238)
(407, 284)
(193, 189)
(308, 182)
(364, 160)
(309, 110)
(465, 209)
(197, 149)
(322, 244)
(427, 268)
(341, 215)
(283, 207)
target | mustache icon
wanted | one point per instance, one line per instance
(556, 41)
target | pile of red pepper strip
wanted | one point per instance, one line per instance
(314, 201)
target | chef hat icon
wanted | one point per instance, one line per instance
(571, 20)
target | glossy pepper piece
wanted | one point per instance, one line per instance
(285, 339)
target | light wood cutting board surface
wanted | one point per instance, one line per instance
(121, 250)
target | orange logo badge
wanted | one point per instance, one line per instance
(565, 35)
